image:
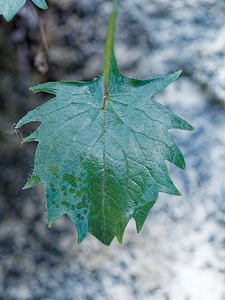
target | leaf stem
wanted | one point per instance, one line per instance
(109, 49)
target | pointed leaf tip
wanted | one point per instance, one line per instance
(80, 240)
(41, 4)
(191, 128)
(172, 77)
(50, 87)
(177, 193)
(33, 181)
(178, 73)
(81, 236)
(120, 240)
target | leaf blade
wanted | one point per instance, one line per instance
(9, 8)
(102, 148)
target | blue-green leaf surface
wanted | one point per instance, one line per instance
(102, 148)
(103, 172)
(9, 8)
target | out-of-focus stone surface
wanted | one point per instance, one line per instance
(179, 254)
(185, 34)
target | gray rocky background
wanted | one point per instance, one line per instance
(179, 254)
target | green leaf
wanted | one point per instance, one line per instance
(9, 8)
(102, 147)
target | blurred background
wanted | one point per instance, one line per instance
(179, 254)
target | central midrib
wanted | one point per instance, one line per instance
(106, 72)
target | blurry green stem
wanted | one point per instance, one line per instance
(109, 45)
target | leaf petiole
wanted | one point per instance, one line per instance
(109, 49)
